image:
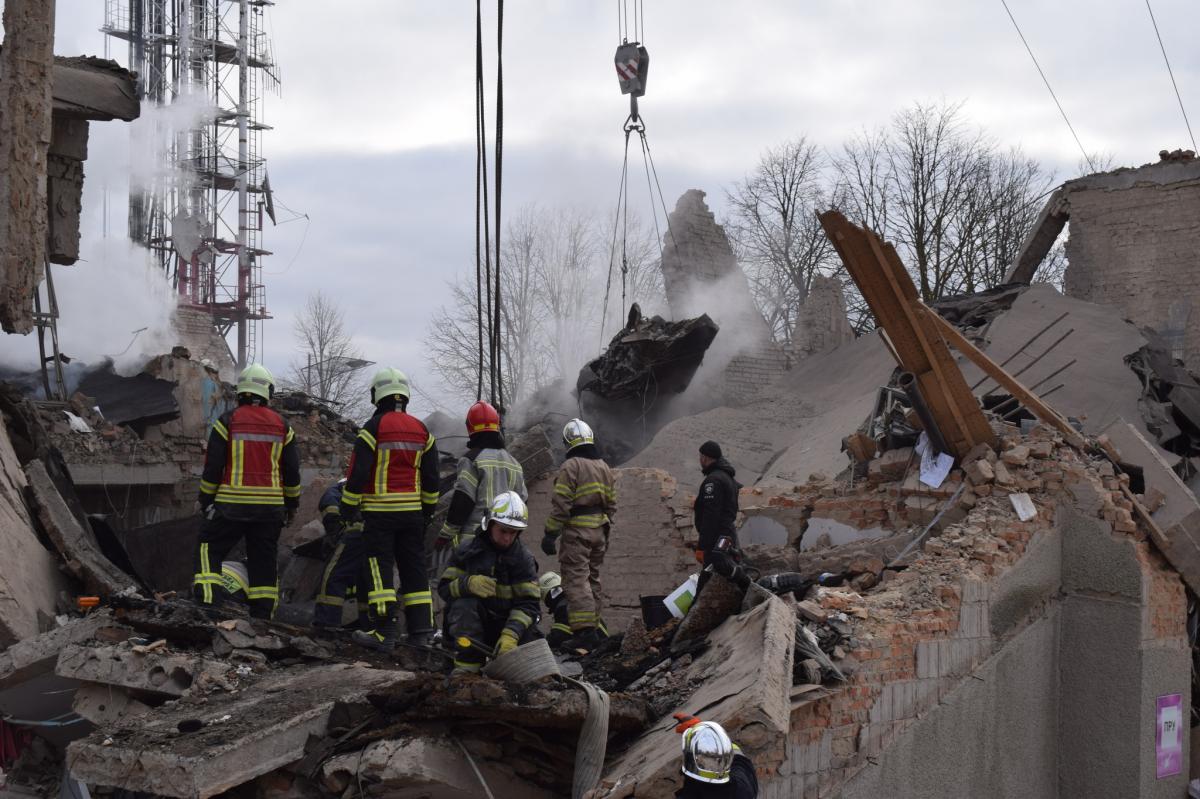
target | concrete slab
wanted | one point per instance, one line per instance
(29, 577)
(163, 674)
(424, 768)
(35, 656)
(244, 735)
(76, 544)
(745, 681)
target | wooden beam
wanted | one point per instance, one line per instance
(1030, 400)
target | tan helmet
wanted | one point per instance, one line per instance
(389, 382)
(548, 582)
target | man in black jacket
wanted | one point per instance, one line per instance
(491, 587)
(716, 510)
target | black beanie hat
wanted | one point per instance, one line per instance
(712, 449)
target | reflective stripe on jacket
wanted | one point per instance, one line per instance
(518, 597)
(480, 480)
(251, 459)
(394, 466)
(585, 495)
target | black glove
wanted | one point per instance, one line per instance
(289, 516)
(549, 544)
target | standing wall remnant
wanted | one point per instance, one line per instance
(822, 323)
(26, 78)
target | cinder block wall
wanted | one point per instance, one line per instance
(1135, 244)
(1037, 680)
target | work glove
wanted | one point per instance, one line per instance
(549, 544)
(507, 642)
(447, 537)
(685, 722)
(289, 516)
(481, 586)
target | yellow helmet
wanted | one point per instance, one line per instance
(256, 379)
(388, 383)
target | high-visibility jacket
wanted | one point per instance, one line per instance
(252, 462)
(585, 492)
(394, 467)
(483, 475)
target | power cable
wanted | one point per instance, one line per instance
(497, 363)
(1171, 72)
(480, 190)
(1045, 80)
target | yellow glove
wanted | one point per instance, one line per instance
(507, 642)
(481, 586)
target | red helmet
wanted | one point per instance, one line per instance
(482, 416)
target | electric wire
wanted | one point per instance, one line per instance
(1171, 73)
(1046, 81)
(497, 363)
(479, 183)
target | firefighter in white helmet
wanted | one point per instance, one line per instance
(491, 588)
(584, 501)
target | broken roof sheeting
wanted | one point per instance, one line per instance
(129, 399)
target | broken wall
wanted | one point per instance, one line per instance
(194, 330)
(821, 323)
(1134, 244)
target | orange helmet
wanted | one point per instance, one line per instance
(482, 416)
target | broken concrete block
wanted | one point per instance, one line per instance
(35, 656)
(240, 736)
(812, 611)
(422, 767)
(1043, 448)
(716, 602)
(1016, 456)
(160, 673)
(1003, 475)
(891, 465)
(977, 452)
(73, 541)
(980, 472)
(745, 681)
(104, 704)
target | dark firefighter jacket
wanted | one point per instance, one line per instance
(252, 464)
(517, 595)
(394, 467)
(716, 504)
(743, 783)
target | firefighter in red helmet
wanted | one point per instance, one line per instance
(485, 472)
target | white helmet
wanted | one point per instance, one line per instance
(707, 753)
(509, 510)
(548, 582)
(576, 433)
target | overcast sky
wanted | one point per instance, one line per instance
(373, 132)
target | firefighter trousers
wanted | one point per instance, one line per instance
(580, 555)
(398, 539)
(218, 536)
(345, 577)
(469, 618)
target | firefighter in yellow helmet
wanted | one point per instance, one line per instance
(393, 483)
(584, 501)
(249, 490)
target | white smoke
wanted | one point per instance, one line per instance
(115, 303)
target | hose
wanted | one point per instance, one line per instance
(526, 663)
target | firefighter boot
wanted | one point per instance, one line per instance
(381, 639)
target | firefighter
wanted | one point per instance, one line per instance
(713, 765)
(491, 588)
(485, 472)
(392, 486)
(550, 586)
(250, 489)
(345, 564)
(715, 513)
(584, 501)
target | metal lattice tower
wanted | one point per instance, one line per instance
(204, 64)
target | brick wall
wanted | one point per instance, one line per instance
(1135, 244)
(751, 373)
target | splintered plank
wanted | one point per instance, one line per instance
(892, 297)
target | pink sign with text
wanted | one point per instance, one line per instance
(1168, 736)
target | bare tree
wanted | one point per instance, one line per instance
(635, 273)
(954, 205)
(331, 366)
(775, 231)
